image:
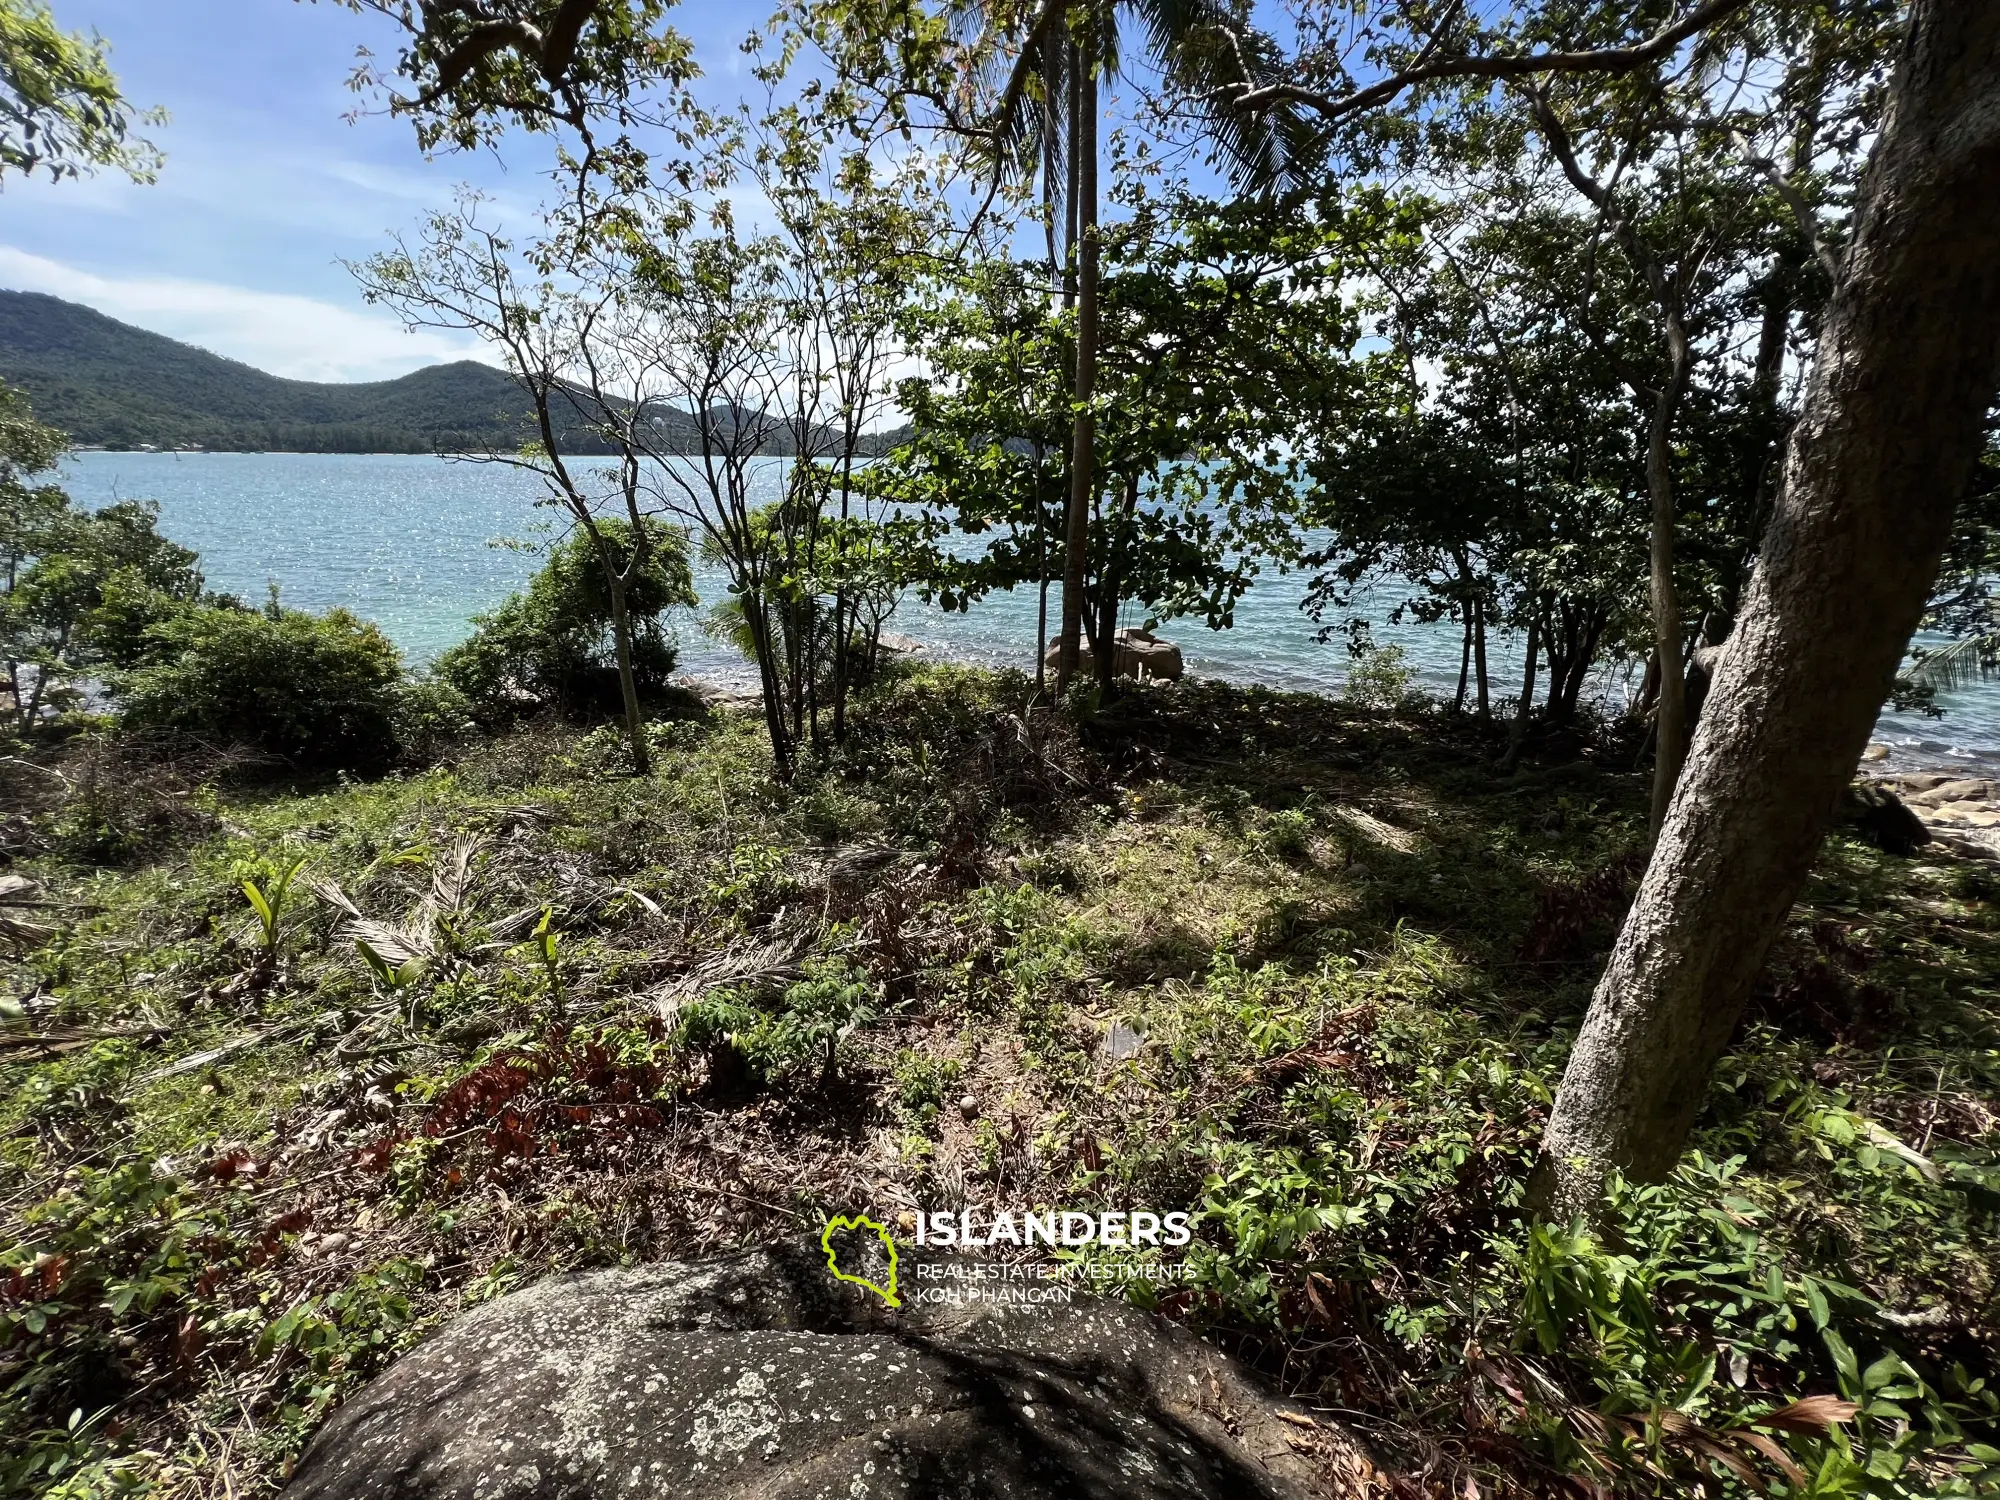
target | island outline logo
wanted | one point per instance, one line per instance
(860, 1221)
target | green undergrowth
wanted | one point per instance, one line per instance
(297, 1072)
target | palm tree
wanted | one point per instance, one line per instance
(1041, 62)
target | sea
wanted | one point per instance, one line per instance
(421, 544)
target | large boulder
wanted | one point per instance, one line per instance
(761, 1376)
(1135, 653)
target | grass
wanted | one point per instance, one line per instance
(613, 1019)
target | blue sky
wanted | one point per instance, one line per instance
(267, 185)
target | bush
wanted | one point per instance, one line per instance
(120, 808)
(318, 690)
(1381, 678)
(806, 1026)
(432, 716)
(551, 647)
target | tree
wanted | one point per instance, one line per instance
(1892, 425)
(1199, 47)
(1225, 341)
(551, 646)
(78, 589)
(61, 110)
(474, 67)
(463, 275)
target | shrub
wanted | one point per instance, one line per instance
(431, 716)
(551, 646)
(806, 1026)
(318, 690)
(1288, 833)
(1381, 678)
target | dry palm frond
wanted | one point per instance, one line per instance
(451, 881)
(773, 958)
(516, 923)
(330, 892)
(1375, 831)
(195, 1061)
(394, 945)
(22, 934)
(858, 860)
(651, 906)
(55, 1042)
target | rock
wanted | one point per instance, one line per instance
(716, 695)
(899, 645)
(1121, 1041)
(1875, 752)
(968, 1106)
(759, 1377)
(1953, 791)
(1878, 816)
(1922, 781)
(1137, 653)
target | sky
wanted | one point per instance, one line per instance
(268, 185)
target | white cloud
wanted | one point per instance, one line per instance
(300, 337)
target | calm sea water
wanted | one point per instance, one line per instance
(421, 544)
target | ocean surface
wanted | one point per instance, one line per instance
(421, 544)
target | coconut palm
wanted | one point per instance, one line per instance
(1036, 67)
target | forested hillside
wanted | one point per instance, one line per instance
(108, 384)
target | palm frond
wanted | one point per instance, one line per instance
(1209, 54)
(1964, 661)
(749, 962)
(395, 946)
(451, 881)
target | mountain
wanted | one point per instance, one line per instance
(108, 384)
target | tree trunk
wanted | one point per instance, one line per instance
(1042, 584)
(758, 622)
(1670, 740)
(628, 685)
(1464, 662)
(1111, 586)
(1083, 440)
(1518, 736)
(1479, 655)
(1892, 424)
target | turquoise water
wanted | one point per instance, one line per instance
(421, 544)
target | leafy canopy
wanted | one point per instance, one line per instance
(61, 111)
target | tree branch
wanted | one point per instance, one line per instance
(1788, 191)
(1606, 60)
(558, 49)
(480, 43)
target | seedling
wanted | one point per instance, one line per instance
(268, 897)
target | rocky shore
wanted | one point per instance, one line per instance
(1962, 813)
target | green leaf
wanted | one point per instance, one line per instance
(1816, 1304)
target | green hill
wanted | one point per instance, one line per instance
(110, 384)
